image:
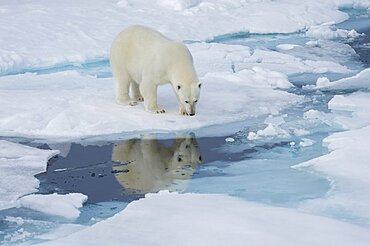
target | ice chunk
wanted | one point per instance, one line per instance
(322, 82)
(351, 111)
(18, 165)
(358, 81)
(329, 31)
(289, 64)
(151, 220)
(54, 204)
(286, 46)
(229, 140)
(305, 142)
(270, 131)
(348, 167)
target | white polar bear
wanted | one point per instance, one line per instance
(145, 59)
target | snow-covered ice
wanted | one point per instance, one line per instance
(54, 204)
(358, 81)
(271, 131)
(347, 166)
(330, 31)
(72, 105)
(43, 98)
(18, 165)
(74, 32)
(195, 219)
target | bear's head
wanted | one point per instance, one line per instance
(185, 153)
(188, 96)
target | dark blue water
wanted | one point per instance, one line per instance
(105, 174)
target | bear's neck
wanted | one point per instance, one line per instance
(182, 72)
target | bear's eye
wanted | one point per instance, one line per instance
(200, 158)
(186, 101)
(195, 101)
(178, 87)
(200, 85)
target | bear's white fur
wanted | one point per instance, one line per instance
(144, 58)
(150, 166)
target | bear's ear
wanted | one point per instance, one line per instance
(200, 85)
(178, 87)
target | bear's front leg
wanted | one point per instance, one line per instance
(149, 93)
(182, 110)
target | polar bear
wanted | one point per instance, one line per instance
(144, 58)
(150, 166)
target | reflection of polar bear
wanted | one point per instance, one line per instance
(153, 167)
(145, 59)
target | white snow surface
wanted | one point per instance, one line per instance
(271, 131)
(73, 105)
(329, 31)
(347, 164)
(76, 31)
(66, 206)
(351, 111)
(348, 167)
(358, 81)
(18, 165)
(198, 219)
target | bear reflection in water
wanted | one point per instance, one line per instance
(147, 165)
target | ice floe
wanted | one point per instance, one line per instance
(73, 105)
(164, 218)
(74, 32)
(358, 81)
(54, 204)
(347, 167)
(18, 165)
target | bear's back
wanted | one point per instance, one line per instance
(139, 39)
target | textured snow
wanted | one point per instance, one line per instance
(54, 204)
(290, 64)
(329, 31)
(358, 81)
(18, 165)
(77, 31)
(73, 105)
(348, 167)
(235, 58)
(194, 219)
(351, 111)
(271, 131)
(305, 142)
(67, 105)
(347, 164)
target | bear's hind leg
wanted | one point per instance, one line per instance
(122, 86)
(136, 92)
(149, 92)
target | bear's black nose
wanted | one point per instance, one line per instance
(191, 114)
